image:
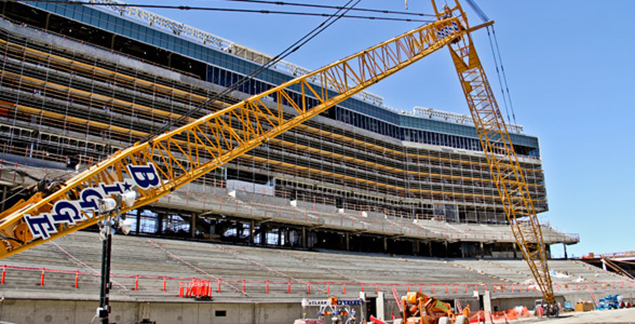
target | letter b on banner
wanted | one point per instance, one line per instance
(144, 176)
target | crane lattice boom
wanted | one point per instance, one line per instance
(499, 151)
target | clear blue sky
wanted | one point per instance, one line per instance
(569, 66)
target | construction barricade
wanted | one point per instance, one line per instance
(197, 288)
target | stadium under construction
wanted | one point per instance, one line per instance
(81, 82)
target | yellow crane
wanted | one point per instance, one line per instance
(155, 168)
(501, 157)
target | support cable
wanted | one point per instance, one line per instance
(504, 89)
(500, 59)
(83, 264)
(295, 4)
(260, 11)
(498, 74)
(282, 55)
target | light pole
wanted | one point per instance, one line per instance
(107, 227)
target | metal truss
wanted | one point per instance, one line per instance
(499, 151)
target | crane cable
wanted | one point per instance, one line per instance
(260, 11)
(295, 4)
(288, 51)
(498, 61)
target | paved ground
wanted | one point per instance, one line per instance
(594, 317)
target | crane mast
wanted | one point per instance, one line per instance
(499, 151)
(168, 161)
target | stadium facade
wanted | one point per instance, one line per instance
(80, 82)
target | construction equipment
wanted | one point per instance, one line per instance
(610, 302)
(501, 156)
(166, 162)
(422, 309)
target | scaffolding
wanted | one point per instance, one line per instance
(64, 104)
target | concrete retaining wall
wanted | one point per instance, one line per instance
(30, 311)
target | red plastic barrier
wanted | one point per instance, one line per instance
(206, 288)
(197, 288)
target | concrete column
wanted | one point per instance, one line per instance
(138, 229)
(385, 244)
(446, 248)
(304, 237)
(193, 225)
(487, 302)
(563, 245)
(48, 18)
(252, 230)
(159, 226)
(348, 241)
(279, 236)
(240, 228)
(263, 234)
(4, 196)
(381, 307)
(415, 247)
(482, 251)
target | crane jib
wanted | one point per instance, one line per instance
(72, 211)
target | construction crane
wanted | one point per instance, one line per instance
(501, 156)
(166, 162)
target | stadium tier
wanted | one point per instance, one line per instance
(176, 281)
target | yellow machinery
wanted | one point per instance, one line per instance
(422, 309)
(168, 161)
(501, 157)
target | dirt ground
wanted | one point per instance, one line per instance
(626, 315)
